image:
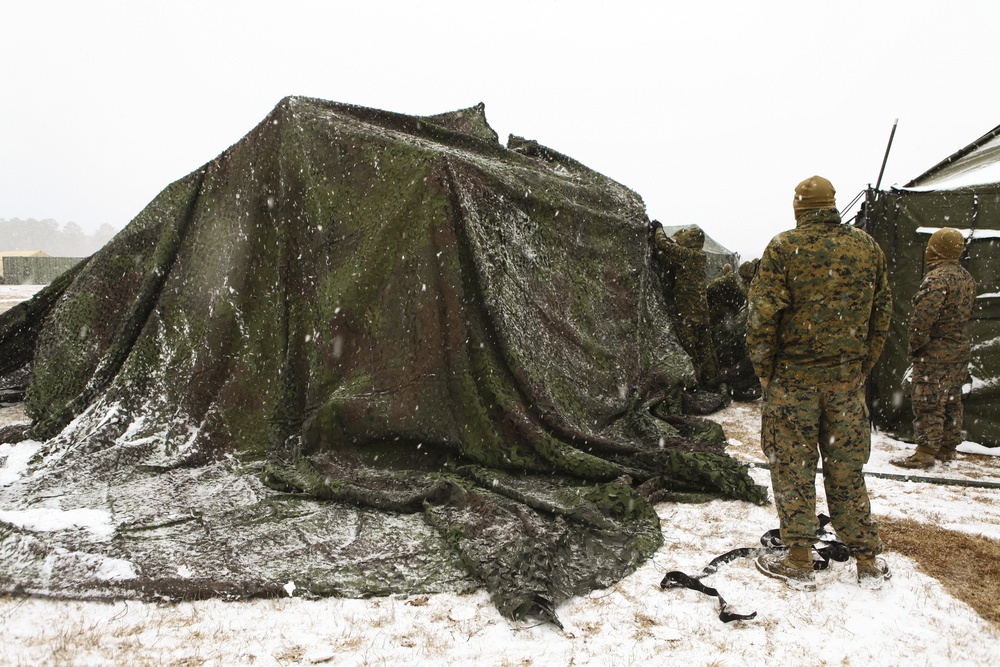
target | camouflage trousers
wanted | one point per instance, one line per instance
(800, 424)
(695, 337)
(937, 405)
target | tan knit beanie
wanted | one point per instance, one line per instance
(946, 244)
(813, 193)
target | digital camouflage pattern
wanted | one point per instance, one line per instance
(937, 406)
(939, 321)
(939, 349)
(726, 295)
(748, 271)
(727, 307)
(820, 303)
(684, 265)
(819, 313)
(365, 353)
(795, 419)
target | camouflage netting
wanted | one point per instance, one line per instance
(366, 353)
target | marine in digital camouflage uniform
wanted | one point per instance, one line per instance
(726, 294)
(819, 314)
(727, 311)
(939, 350)
(748, 271)
(686, 265)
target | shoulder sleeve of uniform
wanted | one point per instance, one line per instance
(881, 317)
(768, 297)
(969, 282)
(927, 303)
(661, 240)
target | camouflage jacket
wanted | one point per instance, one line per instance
(941, 310)
(820, 305)
(686, 269)
(726, 296)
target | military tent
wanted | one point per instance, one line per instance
(359, 353)
(33, 267)
(18, 253)
(963, 192)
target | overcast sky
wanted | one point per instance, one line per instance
(711, 111)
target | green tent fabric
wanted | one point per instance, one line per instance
(360, 353)
(963, 192)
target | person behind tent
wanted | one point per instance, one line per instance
(748, 271)
(727, 311)
(939, 350)
(726, 295)
(820, 308)
(686, 265)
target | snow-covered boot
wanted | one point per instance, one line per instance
(872, 572)
(945, 455)
(921, 459)
(795, 568)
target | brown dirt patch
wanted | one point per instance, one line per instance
(968, 566)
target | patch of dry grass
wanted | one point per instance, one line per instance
(987, 467)
(968, 566)
(290, 654)
(643, 627)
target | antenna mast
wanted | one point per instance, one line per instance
(886, 157)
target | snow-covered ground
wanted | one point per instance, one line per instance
(11, 295)
(911, 621)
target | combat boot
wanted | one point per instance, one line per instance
(795, 568)
(872, 572)
(919, 459)
(945, 455)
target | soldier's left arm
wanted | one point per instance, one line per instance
(881, 317)
(768, 297)
(667, 250)
(927, 304)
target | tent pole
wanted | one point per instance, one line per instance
(885, 158)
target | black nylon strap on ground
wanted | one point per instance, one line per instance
(831, 549)
(675, 579)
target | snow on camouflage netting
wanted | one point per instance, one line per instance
(366, 353)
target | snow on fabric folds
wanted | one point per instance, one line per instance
(365, 353)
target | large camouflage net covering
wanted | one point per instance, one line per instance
(366, 353)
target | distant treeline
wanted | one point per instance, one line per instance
(47, 236)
